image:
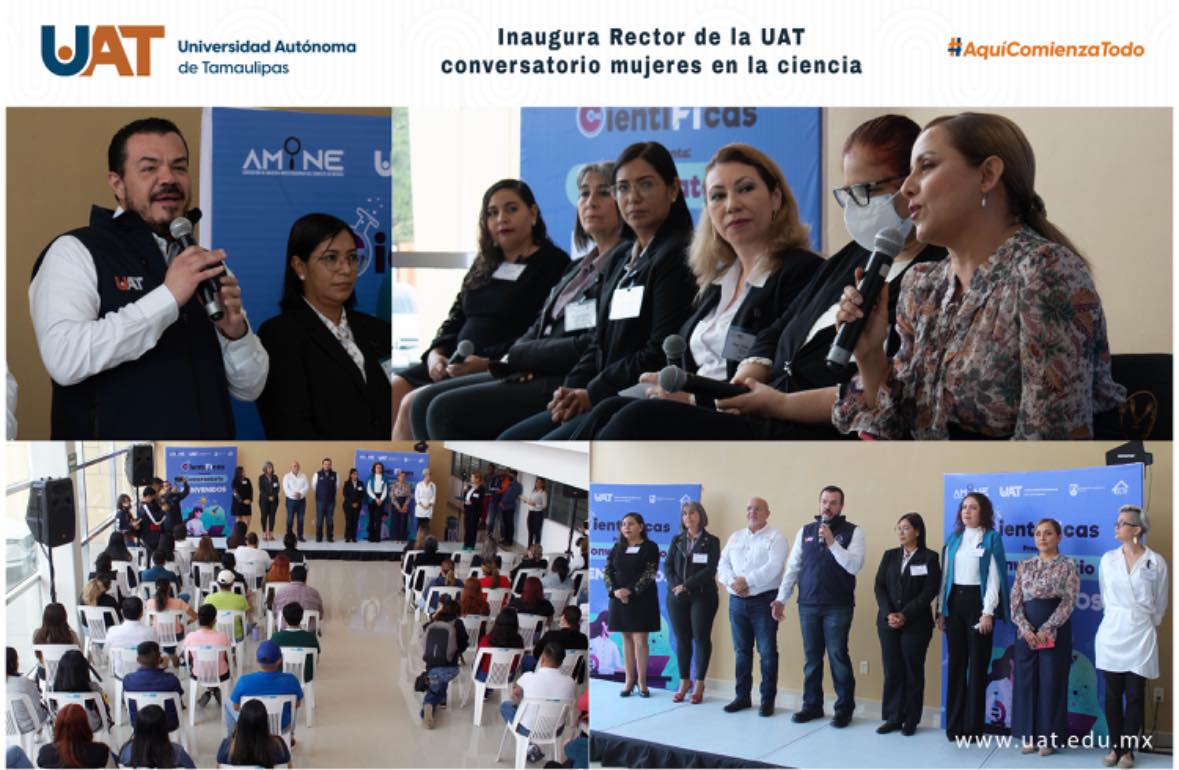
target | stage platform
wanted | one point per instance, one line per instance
(386, 550)
(639, 732)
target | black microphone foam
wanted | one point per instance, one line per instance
(674, 379)
(889, 243)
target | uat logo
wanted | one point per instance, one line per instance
(126, 47)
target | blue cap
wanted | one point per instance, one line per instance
(268, 652)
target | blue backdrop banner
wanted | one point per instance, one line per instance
(659, 505)
(209, 471)
(1085, 501)
(556, 142)
(263, 169)
(413, 463)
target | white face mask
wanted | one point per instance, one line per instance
(864, 222)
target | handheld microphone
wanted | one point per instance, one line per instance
(889, 243)
(674, 379)
(181, 230)
(674, 347)
(464, 349)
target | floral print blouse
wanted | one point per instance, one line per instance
(1037, 578)
(1022, 352)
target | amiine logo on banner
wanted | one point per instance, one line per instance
(292, 159)
(126, 47)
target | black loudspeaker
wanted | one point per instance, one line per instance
(140, 465)
(51, 515)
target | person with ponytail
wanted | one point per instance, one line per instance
(1004, 339)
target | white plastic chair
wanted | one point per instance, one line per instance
(294, 661)
(90, 701)
(558, 597)
(407, 560)
(228, 622)
(497, 599)
(274, 706)
(94, 628)
(26, 706)
(205, 664)
(585, 619)
(531, 628)
(50, 657)
(164, 622)
(312, 622)
(524, 574)
(501, 672)
(124, 660)
(579, 577)
(161, 699)
(430, 600)
(139, 554)
(547, 720)
(122, 578)
(203, 573)
(574, 663)
(422, 577)
(476, 627)
(272, 589)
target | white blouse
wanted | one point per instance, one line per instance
(343, 334)
(708, 337)
(1135, 601)
(966, 568)
(537, 500)
(424, 494)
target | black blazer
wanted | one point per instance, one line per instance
(558, 351)
(802, 365)
(353, 496)
(622, 350)
(679, 569)
(907, 593)
(762, 305)
(314, 389)
(269, 486)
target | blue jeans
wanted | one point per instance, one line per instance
(439, 677)
(507, 710)
(825, 628)
(16, 757)
(577, 751)
(751, 621)
(541, 426)
(323, 513)
(296, 509)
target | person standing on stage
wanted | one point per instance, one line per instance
(243, 496)
(1134, 583)
(294, 486)
(473, 496)
(631, 569)
(401, 494)
(353, 498)
(325, 501)
(151, 519)
(268, 489)
(907, 582)
(692, 599)
(974, 594)
(538, 501)
(508, 502)
(750, 567)
(827, 555)
(424, 495)
(1042, 602)
(172, 496)
(376, 490)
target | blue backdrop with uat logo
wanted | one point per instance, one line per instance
(1085, 501)
(556, 142)
(413, 463)
(659, 505)
(209, 471)
(263, 169)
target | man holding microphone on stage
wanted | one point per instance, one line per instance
(826, 556)
(749, 568)
(116, 312)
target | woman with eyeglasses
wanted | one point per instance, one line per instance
(516, 266)
(1043, 597)
(326, 377)
(1005, 339)
(792, 390)
(647, 296)
(907, 582)
(1134, 583)
(537, 362)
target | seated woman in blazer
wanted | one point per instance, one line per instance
(326, 379)
(907, 582)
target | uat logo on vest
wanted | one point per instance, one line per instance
(126, 47)
(129, 282)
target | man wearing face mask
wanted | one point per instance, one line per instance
(116, 316)
(823, 563)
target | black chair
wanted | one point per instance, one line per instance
(1147, 413)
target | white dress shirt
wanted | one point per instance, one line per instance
(76, 344)
(248, 554)
(1135, 601)
(537, 499)
(756, 556)
(293, 483)
(424, 494)
(850, 558)
(966, 568)
(709, 335)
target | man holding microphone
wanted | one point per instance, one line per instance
(826, 556)
(116, 316)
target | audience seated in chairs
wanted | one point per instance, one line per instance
(150, 745)
(251, 554)
(444, 641)
(205, 552)
(531, 600)
(17, 683)
(491, 577)
(290, 549)
(73, 742)
(270, 680)
(164, 601)
(546, 682)
(152, 678)
(55, 629)
(533, 559)
(73, 675)
(280, 570)
(158, 572)
(429, 557)
(298, 591)
(291, 635)
(568, 635)
(132, 630)
(251, 744)
(471, 600)
(447, 578)
(208, 634)
(94, 593)
(558, 575)
(505, 633)
(226, 599)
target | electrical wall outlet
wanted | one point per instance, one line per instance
(1159, 694)
(863, 666)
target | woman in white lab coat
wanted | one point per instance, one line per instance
(1133, 582)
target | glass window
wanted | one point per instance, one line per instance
(568, 505)
(99, 484)
(20, 552)
(23, 617)
(16, 463)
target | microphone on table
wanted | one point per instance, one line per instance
(464, 349)
(207, 291)
(674, 347)
(674, 379)
(889, 243)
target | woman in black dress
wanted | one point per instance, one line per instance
(634, 604)
(472, 507)
(353, 497)
(268, 488)
(243, 496)
(692, 596)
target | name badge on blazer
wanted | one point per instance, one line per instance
(738, 343)
(699, 558)
(626, 303)
(918, 570)
(633, 549)
(581, 315)
(509, 271)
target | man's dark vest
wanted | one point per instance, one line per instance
(325, 487)
(822, 580)
(175, 390)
